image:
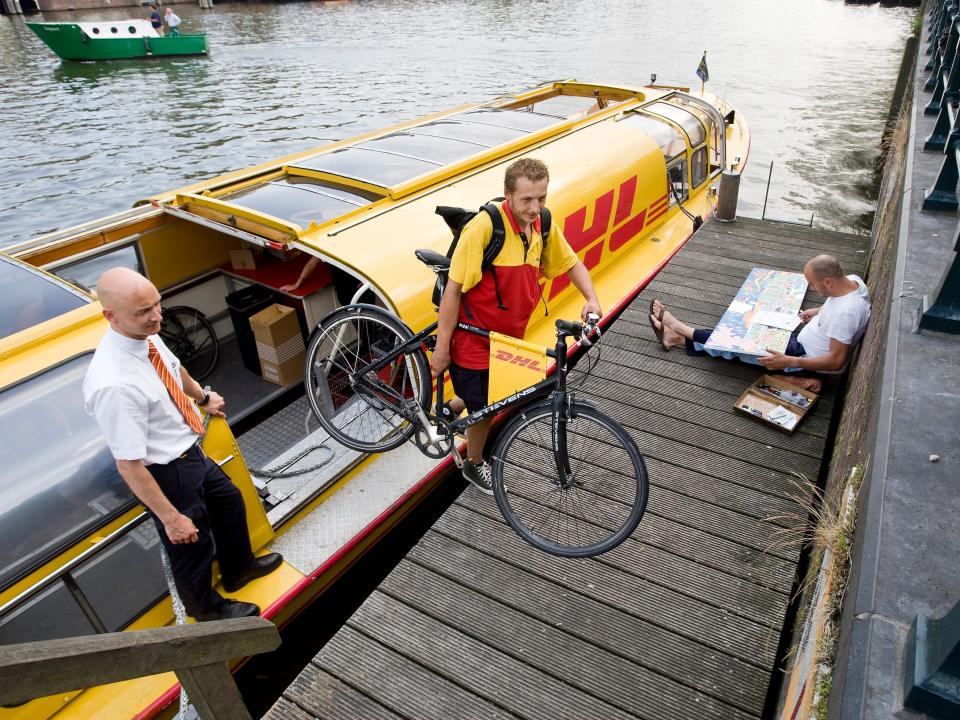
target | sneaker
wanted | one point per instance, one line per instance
(479, 475)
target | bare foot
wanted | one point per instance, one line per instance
(811, 384)
(665, 328)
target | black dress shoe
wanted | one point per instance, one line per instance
(258, 568)
(230, 609)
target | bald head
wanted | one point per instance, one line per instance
(117, 285)
(130, 302)
(825, 266)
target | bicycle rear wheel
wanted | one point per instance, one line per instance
(191, 337)
(600, 509)
(349, 339)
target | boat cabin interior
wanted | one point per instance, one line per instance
(223, 254)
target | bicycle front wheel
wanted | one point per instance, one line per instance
(600, 508)
(191, 337)
(375, 419)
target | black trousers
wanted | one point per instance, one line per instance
(198, 488)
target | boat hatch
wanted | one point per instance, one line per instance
(301, 201)
(486, 135)
(32, 297)
(52, 494)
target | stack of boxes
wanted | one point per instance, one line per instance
(279, 344)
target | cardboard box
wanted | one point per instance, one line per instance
(769, 397)
(243, 259)
(279, 344)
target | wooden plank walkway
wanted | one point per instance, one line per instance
(681, 621)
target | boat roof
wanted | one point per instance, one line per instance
(310, 198)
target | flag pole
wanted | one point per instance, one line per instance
(702, 82)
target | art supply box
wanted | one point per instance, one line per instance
(776, 402)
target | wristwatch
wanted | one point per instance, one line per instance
(206, 399)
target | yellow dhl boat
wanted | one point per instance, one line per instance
(631, 170)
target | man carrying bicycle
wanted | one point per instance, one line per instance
(501, 298)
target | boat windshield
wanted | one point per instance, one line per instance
(685, 119)
(30, 297)
(59, 481)
(661, 132)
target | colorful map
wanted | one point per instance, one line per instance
(764, 291)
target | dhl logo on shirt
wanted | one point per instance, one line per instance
(619, 223)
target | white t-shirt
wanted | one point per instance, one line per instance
(842, 318)
(130, 403)
(173, 20)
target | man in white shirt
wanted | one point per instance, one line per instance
(823, 344)
(145, 403)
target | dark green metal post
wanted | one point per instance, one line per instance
(943, 195)
(932, 666)
(944, 314)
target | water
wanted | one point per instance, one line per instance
(81, 140)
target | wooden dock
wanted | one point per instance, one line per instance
(683, 620)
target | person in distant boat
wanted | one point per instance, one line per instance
(155, 20)
(146, 405)
(822, 345)
(501, 298)
(173, 22)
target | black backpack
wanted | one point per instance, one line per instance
(457, 219)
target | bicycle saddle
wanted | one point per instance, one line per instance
(433, 258)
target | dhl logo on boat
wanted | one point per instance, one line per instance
(629, 167)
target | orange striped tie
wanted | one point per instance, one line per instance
(179, 397)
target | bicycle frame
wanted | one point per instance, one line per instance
(556, 385)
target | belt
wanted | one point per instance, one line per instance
(193, 449)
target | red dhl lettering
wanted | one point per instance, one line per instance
(511, 358)
(622, 228)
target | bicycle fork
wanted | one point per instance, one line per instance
(558, 433)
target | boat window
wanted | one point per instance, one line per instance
(378, 168)
(691, 125)
(677, 181)
(433, 149)
(30, 297)
(662, 133)
(516, 119)
(121, 583)
(713, 129)
(698, 166)
(52, 493)
(486, 135)
(85, 273)
(298, 200)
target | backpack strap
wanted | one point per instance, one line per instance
(497, 238)
(546, 220)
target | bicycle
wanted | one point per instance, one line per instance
(191, 337)
(566, 477)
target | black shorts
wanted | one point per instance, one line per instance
(470, 386)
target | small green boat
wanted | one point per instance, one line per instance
(115, 40)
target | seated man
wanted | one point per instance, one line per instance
(822, 345)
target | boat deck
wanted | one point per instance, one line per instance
(684, 619)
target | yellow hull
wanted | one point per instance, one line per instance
(609, 159)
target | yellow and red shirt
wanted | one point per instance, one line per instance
(518, 270)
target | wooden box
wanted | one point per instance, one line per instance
(771, 395)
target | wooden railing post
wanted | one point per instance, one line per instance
(197, 653)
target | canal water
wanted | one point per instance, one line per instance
(81, 140)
